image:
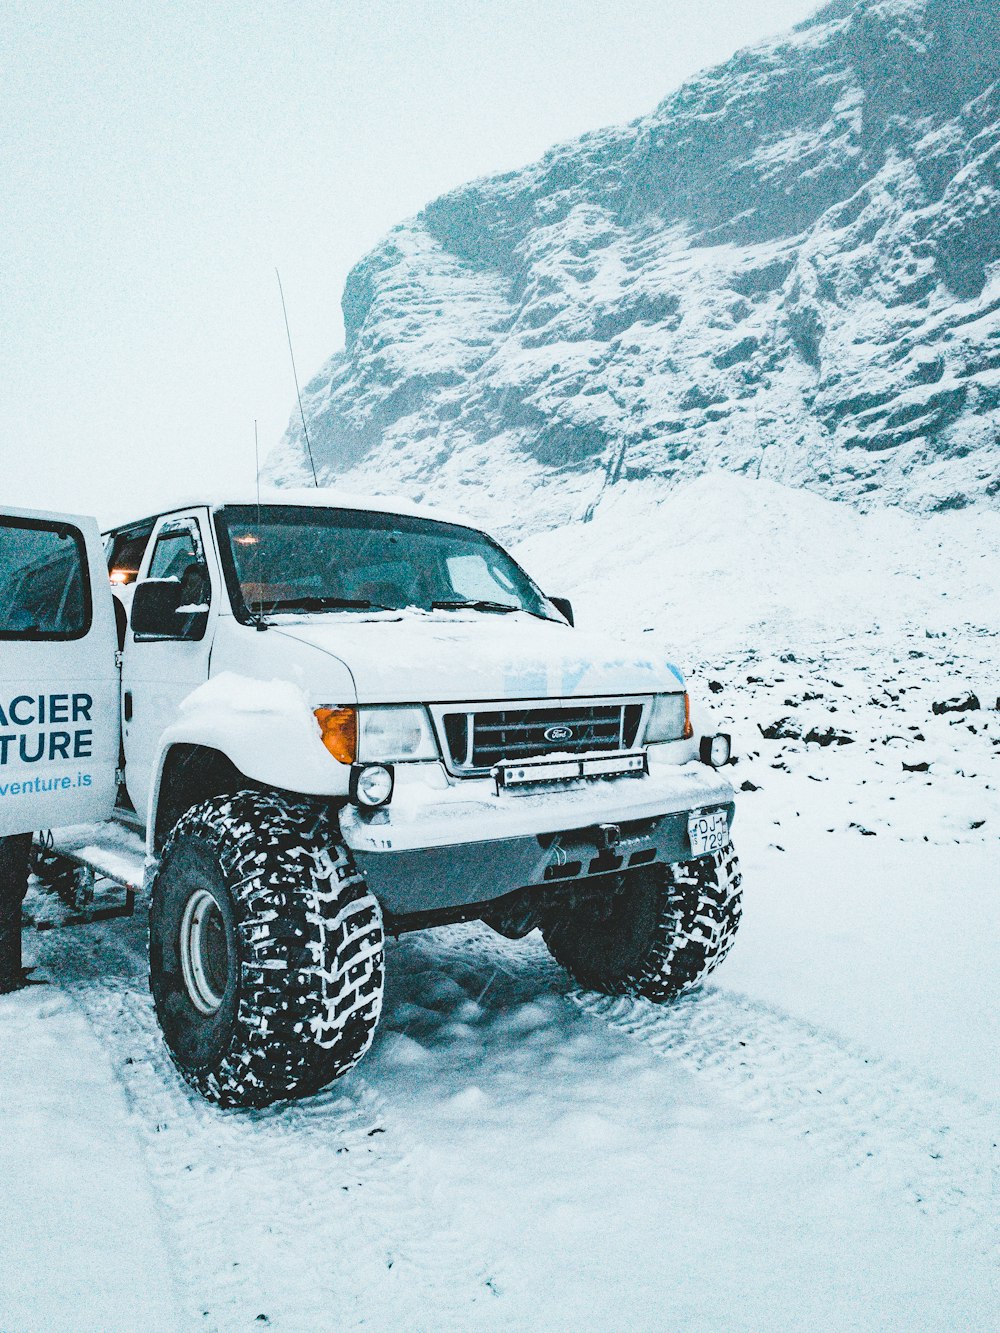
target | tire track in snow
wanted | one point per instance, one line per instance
(909, 1138)
(934, 1147)
(308, 1213)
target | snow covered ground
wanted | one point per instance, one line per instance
(809, 1143)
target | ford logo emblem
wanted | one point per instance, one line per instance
(558, 734)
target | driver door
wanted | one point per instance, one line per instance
(58, 673)
(162, 666)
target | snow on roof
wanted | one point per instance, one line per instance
(327, 497)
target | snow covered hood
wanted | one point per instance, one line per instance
(419, 657)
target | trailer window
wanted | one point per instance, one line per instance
(44, 588)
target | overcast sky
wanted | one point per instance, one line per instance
(160, 159)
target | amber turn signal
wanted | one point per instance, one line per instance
(340, 732)
(688, 729)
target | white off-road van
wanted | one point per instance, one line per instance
(329, 718)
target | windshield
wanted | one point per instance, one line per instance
(294, 558)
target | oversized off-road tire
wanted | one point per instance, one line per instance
(265, 949)
(657, 933)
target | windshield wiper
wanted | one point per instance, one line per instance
(326, 604)
(482, 604)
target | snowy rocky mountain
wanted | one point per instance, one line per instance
(789, 269)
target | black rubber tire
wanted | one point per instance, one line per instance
(304, 949)
(663, 931)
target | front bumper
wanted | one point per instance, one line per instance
(443, 845)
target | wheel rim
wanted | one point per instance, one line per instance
(204, 951)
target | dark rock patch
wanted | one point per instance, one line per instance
(961, 703)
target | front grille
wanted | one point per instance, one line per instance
(477, 740)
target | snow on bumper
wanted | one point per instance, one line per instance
(438, 847)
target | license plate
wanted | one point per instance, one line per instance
(708, 833)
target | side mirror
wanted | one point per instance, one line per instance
(564, 606)
(158, 612)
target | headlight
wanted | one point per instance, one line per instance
(390, 735)
(669, 718)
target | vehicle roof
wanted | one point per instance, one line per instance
(322, 497)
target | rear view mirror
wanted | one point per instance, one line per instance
(159, 612)
(564, 606)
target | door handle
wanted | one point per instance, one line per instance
(128, 706)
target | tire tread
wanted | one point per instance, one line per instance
(306, 924)
(697, 915)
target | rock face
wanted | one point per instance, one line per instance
(789, 269)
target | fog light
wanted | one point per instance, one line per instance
(371, 784)
(715, 750)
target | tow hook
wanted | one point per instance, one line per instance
(608, 837)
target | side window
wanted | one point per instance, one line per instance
(171, 600)
(173, 553)
(178, 557)
(125, 551)
(44, 588)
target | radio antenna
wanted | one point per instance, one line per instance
(295, 377)
(260, 621)
(256, 459)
